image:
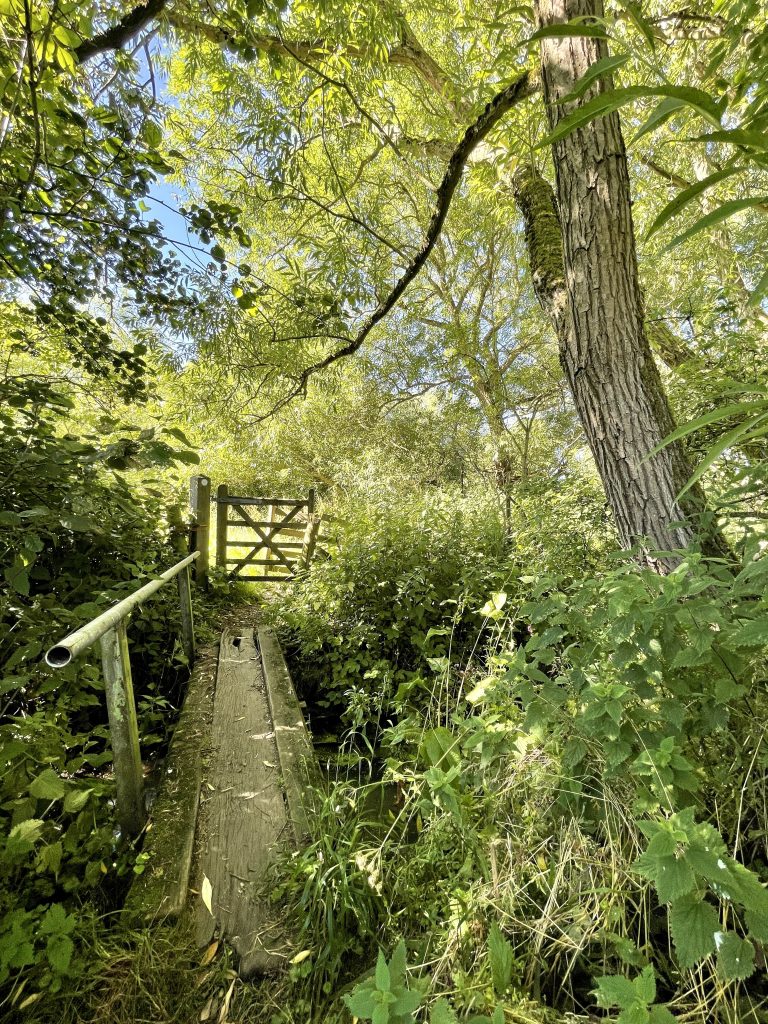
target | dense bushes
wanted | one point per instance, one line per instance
(74, 537)
(580, 766)
(402, 591)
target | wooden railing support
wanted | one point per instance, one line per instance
(222, 515)
(200, 508)
(124, 730)
(187, 618)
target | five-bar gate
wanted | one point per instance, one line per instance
(271, 536)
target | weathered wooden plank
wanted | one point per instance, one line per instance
(161, 890)
(258, 561)
(264, 537)
(234, 499)
(275, 579)
(294, 745)
(244, 812)
(290, 531)
(242, 543)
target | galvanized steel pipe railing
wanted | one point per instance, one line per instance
(71, 646)
(110, 630)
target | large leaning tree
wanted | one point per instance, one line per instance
(356, 83)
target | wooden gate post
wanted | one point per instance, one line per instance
(222, 516)
(200, 507)
(124, 730)
(310, 534)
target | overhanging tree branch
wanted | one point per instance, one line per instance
(523, 86)
(118, 35)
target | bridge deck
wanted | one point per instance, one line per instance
(257, 765)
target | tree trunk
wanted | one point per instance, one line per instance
(604, 349)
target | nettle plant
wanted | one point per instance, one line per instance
(645, 682)
(389, 996)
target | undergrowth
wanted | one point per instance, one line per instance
(574, 765)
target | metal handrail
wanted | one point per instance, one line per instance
(62, 653)
(111, 630)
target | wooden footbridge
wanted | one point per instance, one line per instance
(241, 773)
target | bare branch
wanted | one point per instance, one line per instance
(523, 86)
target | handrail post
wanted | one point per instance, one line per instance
(187, 617)
(124, 730)
(200, 507)
(222, 516)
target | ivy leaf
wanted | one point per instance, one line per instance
(693, 924)
(735, 957)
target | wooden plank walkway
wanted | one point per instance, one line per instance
(243, 815)
(161, 891)
(252, 761)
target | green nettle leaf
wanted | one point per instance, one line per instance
(735, 957)
(76, 800)
(751, 634)
(671, 875)
(382, 974)
(397, 963)
(660, 1015)
(59, 950)
(47, 786)
(28, 831)
(360, 1002)
(442, 1013)
(694, 925)
(614, 990)
(502, 959)
(406, 1003)
(645, 985)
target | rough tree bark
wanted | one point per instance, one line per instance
(604, 348)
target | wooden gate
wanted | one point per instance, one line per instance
(275, 535)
